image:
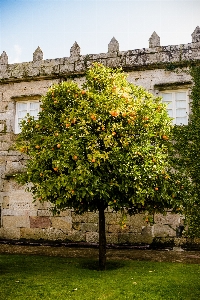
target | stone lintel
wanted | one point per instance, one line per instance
(173, 85)
(27, 97)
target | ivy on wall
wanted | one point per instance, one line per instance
(186, 156)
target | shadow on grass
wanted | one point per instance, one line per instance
(94, 265)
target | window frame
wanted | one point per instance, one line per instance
(173, 92)
(28, 102)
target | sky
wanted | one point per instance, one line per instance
(55, 25)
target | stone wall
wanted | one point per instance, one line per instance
(23, 219)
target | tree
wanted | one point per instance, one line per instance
(187, 156)
(104, 144)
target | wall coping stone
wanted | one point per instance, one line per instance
(77, 64)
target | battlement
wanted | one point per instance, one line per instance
(155, 56)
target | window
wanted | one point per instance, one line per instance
(177, 105)
(23, 108)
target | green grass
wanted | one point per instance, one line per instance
(42, 277)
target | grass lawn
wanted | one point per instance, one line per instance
(43, 277)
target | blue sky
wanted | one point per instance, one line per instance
(55, 25)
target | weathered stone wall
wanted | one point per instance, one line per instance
(23, 219)
(76, 64)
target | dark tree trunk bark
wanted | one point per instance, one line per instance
(102, 240)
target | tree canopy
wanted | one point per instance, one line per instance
(106, 143)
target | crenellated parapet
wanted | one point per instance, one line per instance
(37, 55)
(196, 35)
(75, 51)
(4, 59)
(156, 56)
(154, 40)
(113, 46)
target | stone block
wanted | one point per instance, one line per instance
(66, 213)
(76, 226)
(61, 223)
(80, 66)
(11, 186)
(131, 238)
(147, 234)
(10, 233)
(31, 233)
(169, 218)
(20, 196)
(22, 205)
(2, 127)
(45, 71)
(2, 232)
(1, 189)
(147, 230)
(131, 60)
(12, 212)
(55, 234)
(76, 236)
(2, 170)
(114, 228)
(92, 237)
(33, 213)
(124, 238)
(5, 146)
(2, 160)
(114, 62)
(42, 205)
(136, 221)
(15, 221)
(85, 227)
(5, 204)
(17, 70)
(66, 68)
(44, 213)
(133, 229)
(56, 69)
(79, 218)
(113, 218)
(40, 222)
(163, 231)
(112, 238)
(13, 167)
(43, 234)
(93, 217)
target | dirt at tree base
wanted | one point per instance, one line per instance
(112, 254)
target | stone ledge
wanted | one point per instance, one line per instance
(157, 57)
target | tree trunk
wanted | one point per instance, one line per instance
(102, 240)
